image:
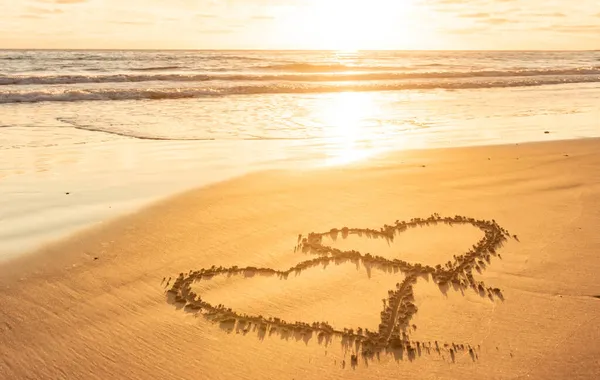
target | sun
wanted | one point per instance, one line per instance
(352, 25)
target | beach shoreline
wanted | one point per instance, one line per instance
(75, 165)
(133, 206)
(73, 201)
(416, 157)
(94, 306)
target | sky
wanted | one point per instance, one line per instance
(301, 24)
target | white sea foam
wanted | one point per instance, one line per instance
(348, 74)
(34, 95)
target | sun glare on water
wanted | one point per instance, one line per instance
(348, 120)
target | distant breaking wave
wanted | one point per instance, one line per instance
(393, 70)
(109, 78)
(326, 68)
(158, 68)
(74, 95)
(196, 56)
(6, 80)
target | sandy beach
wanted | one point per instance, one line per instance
(515, 295)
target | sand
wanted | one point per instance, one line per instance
(515, 294)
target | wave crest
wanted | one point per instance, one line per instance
(276, 88)
(7, 80)
(325, 68)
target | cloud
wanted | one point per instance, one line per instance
(455, 6)
(30, 16)
(64, 1)
(462, 5)
(476, 15)
(205, 15)
(43, 11)
(576, 29)
(498, 21)
(542, 14)
(262, 17)
(130, 22)
(472, 30)
(452, 2)
(217, 31)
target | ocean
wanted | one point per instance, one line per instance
(138, 75)
(88, 135)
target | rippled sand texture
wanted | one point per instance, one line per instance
(98, 305)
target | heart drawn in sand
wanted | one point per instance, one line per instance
(394, 329)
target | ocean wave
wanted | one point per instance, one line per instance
(143, 135)
(129, 133)
(405, 71)
(14, 58)
(6, 80)
(115, 56)
(157, 68)
(73, 95)
(325, 68)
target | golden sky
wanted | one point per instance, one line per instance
(301, 24)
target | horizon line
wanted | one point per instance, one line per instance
(303, 50)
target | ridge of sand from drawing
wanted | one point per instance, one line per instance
(393, 333)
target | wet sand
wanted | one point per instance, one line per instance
(495, 251)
